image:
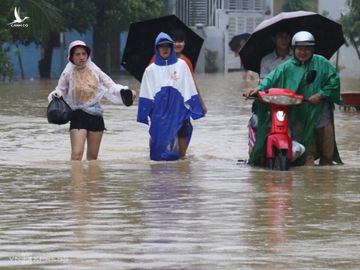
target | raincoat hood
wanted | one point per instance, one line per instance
(161, 39)
(78, 43)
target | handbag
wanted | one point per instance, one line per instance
(58, 111)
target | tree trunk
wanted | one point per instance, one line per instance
(45, 61)
(355, 45)
(46, 56)
(105, 46)
(115, 52)
(20, 62)
(100, 48)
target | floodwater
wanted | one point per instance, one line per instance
(206, 212)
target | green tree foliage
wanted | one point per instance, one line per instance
(50, 17)
(78, 15)
(47, 18)
(113, 17)
(294, 5)
(351, 25)
(44, 18)
(5, 65)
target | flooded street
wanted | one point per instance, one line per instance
(206, 212)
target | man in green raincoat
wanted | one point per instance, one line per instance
(312, 122)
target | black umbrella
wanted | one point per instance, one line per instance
(140, 42)
(234, 43)
(328, 35)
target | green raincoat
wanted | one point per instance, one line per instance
(302, 118)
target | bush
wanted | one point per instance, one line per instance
(210, 61)
(6, 68)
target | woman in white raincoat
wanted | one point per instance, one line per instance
(82, 85)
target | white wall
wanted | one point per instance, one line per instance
(347, 55)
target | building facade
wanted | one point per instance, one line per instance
(193, 12)
(220, 21)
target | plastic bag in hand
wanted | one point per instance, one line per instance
(58, 111)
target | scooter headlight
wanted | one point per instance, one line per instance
(281, 100)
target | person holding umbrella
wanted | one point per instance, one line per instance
(312, 123)
(139, 47)
(82, 85)
(281, 38)
(168, 97)
(236, 43)
(179, 38)
(328, 33)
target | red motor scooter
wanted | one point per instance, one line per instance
(278, 141)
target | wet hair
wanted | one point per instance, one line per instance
(279, 30)
(178, 35)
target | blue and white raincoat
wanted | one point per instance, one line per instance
(168, 97)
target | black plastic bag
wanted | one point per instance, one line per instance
(58, 111)
(126, 96)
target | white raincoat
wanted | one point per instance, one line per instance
(84, 88)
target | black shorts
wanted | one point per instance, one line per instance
(83, 120)
(185, 129)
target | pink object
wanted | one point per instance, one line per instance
(252, 137)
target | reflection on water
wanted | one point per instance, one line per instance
(279, 205)
(205, 212)
(86, 186)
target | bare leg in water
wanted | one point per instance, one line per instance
(78, 137)
(182, 147)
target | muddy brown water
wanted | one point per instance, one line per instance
(206, 212)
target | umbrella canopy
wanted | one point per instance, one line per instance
(140, 42)
(328, 35)
(234, 43)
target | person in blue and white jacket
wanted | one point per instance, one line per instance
(168, 97)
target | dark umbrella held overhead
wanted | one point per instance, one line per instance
(234, 43)
(328, 35)
(140, 42)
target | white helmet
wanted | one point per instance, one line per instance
(303, 38)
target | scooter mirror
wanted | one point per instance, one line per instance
(310, 76)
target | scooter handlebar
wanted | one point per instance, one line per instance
(253, 96)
